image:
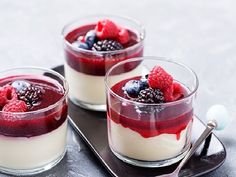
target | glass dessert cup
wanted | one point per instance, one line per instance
(144, 134)
(34, 141)
(85, 69)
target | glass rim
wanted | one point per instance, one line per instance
(163, 59)
(142, 35)
(65, 87)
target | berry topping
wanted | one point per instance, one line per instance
(107, 45)
(15, 106)
(7, 93)
(20, 85)
(81, 45)
(156, 87)
(31, 95)
(159, 78)
(150, 95)
(123, 36)
(106, 29)
(90, 38)
(132, 88)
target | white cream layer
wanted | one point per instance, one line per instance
(131, 144)
(91, 88)
(28, 153)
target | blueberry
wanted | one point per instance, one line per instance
(80, 45)
(90, 38)
(132, 87)
(144, 83)
(20, 85)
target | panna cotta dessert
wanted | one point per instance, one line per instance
(150, 115)
(92, 45)
(33, 120)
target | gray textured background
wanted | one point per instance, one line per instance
(198, 33)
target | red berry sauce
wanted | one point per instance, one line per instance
(170, 120)
(95, 64)
(35, 122)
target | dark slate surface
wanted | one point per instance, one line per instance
(199, 33)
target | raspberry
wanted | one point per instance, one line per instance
(123, 36)
(168, 94)
(7, 93)
(106, 29)
(3, 97)
(159, 79)
(177, 88)
(177, 91)
(15, 106)
(173, 93)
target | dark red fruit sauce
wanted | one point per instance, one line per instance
(35, 122)
(170, 120)
(97, 64)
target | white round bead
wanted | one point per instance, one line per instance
(219, 114)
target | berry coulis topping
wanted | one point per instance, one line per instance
(156, 87)
(106, 36)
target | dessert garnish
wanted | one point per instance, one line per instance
(150, 95)
(106, 36)
(15, 106)
(156, 87)
(19, 96)
(107, 45)
(7, 93)
(29, 93)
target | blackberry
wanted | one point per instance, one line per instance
(107, 45)
(150, 95)
(30, 95)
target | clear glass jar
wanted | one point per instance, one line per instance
(149, 135)
(34, 141)
(85, 69)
